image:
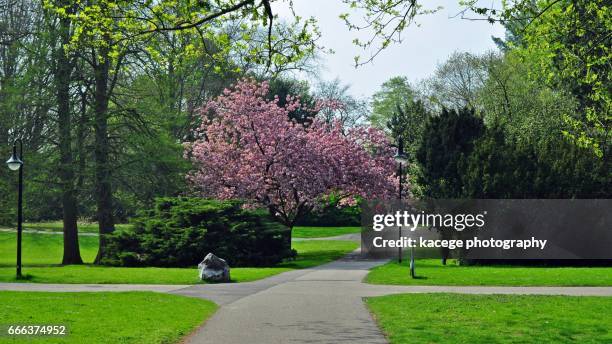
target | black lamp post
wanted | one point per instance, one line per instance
(15, 163)
(401, 158)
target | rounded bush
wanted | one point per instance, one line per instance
(179, 232)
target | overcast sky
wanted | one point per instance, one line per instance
(422, 49)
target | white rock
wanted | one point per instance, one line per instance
(214, 269)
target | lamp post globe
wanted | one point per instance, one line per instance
(401, 157)
(14, 163)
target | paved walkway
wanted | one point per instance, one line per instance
(318, 305)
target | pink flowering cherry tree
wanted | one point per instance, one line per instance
(247, 148)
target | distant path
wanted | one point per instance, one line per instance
(36, 231)
(349, 237)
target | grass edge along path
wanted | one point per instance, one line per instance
(432, 272)
(323, 232)
(463, 318)
(128, 317)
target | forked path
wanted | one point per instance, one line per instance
(318, 305)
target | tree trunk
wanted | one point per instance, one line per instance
(81, 134)
(290, 236)
(102, 166)
(445, 253)
(72, 254)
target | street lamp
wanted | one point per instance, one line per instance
(15, 163)
(401, 158)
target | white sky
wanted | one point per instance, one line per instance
(416, 57)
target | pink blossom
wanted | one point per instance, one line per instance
(247, 148)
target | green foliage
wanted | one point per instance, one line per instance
(447, 140)
(495, 169)
(394, 92)
(408, 123)
(396, 109)
(332, 214)
(460, 157)
(567, 44)
(181, 231)
(530, 111)
(227, 30)
(520, 151)
(7, 205)
(570, 44)
(498, 167)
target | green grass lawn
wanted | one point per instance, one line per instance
(43, 249)
(133, 317)
(431, 272)
(42, 253)
(322, 232)
(458, 318)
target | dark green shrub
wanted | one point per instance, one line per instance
(179, 232)
(332, 216)
(447, 140)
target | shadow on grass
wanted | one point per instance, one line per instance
(26, 277)
(310, 259)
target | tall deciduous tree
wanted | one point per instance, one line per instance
(106, 32)
(64, 66)
(456, 82)
(569, 43)
(572, 46)
(350, 111)
(393, 92)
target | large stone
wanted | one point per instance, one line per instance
(214, 269)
